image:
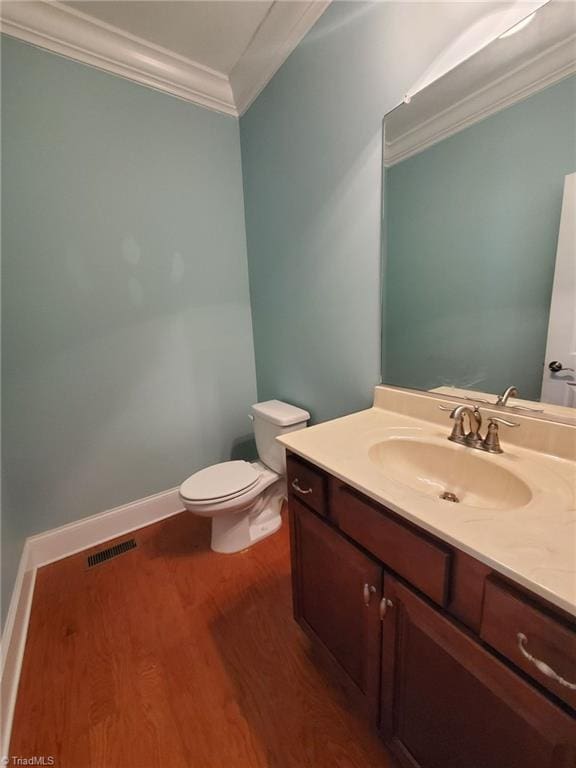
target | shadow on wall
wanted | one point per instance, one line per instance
(244, 448)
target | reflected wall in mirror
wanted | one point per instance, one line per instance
(479, 268)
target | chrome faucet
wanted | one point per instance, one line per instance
(508, 393)
(473, 438)
(502, 400)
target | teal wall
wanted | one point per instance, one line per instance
(472, 232)
(127, 340)
(128, 359)
(311, 157)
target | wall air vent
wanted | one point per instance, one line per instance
(108, 554)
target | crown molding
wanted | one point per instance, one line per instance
(68, 32)
(71, 33)
(284, 27)
(549, 67)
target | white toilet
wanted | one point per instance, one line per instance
(244, 499)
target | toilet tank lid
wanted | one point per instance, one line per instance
(282, 414)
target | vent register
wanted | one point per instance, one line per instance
(107, 554)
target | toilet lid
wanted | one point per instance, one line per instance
(220, 481)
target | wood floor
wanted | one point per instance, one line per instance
(171, 655)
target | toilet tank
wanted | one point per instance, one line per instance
(270, 419)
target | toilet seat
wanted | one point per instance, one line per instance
(220, 482)
(244, 499)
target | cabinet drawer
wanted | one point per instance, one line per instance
(530, 636)
(412, 555)
(307, 484)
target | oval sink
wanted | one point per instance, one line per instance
(450, 472)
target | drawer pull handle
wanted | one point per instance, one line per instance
(541, 665)
(368, 591)
(297, 487)
(385, 603)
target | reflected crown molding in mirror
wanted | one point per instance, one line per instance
(531, 60)
(548, 68)
(496, 23)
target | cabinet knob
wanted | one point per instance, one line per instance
(367, 593)
(385, 603)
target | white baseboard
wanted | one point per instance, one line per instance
(13, 643)
(46, 548)
(89, 531)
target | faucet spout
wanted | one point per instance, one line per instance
(508, 393)
(472, 437)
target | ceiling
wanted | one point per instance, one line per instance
(214, 34)
(219, 54)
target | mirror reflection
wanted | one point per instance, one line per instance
(479, 277)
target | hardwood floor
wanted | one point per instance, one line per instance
(172, 655)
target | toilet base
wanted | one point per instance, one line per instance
(237, 531)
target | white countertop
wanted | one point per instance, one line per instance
(534, 544)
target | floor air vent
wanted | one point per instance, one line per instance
(108, 554)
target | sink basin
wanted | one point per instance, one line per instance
(450, 472)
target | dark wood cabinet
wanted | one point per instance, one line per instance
(530, 638)
(447, 702)
(426, 635)
(337, 590)
(411, 553)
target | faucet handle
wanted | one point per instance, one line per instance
(452, 408)
(491, 442)
(498, 420)
(525, 408)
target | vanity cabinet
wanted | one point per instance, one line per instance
(428, 635)
(418, 558)
(337, 591)
(447, 702)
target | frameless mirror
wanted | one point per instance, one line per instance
(479, 233)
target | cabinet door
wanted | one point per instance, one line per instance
(337, 590)
(449, 703)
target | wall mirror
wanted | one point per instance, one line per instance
(479, 235)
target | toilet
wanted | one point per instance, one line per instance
(244, 498)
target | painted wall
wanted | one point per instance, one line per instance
(127, 339)
(128, 359)
(311, 156)
(472, 233)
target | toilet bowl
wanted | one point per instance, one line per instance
(244, 499)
